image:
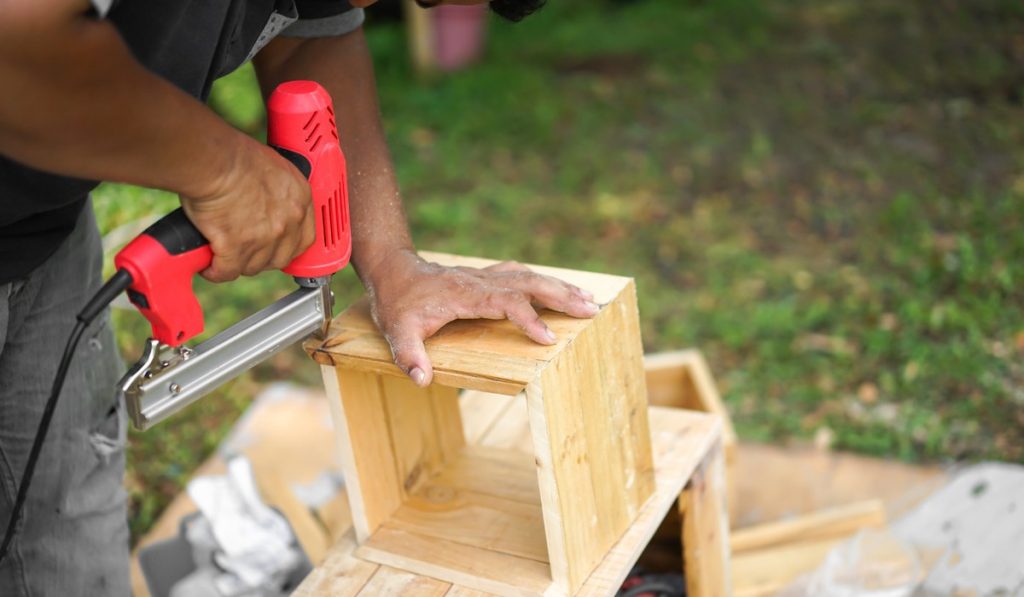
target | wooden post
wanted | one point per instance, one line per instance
(705, 517)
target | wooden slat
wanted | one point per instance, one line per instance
(512, 429)
(367, 458)
(341, 574)
(630, 412)
(589, 412)
(391, 581)
(764, 572)
(678, 439)
(484, 569)
(481, 410)
(474, 519)
(682, 379)
(411, 428)
(448, 428)
(484, 469)
(825, 524)
(493, 356)
(457, 591)
(420, 33)
(706, 529)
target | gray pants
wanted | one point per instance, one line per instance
(73, 535)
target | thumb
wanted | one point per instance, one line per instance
(411, 356)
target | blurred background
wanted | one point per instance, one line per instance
(826, 197)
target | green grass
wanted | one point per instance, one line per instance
(824, 197)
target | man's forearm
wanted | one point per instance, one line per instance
(344, 67)
(77, 103)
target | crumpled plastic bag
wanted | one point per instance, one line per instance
(241, 547)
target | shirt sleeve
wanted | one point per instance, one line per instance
(324, 18)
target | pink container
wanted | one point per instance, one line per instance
(459, 33)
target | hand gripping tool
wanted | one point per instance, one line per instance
(163, 260)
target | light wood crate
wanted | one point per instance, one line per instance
(569, 510)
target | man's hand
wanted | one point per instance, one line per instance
(257, 216)
(411, 299)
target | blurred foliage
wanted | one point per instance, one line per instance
(825, 197)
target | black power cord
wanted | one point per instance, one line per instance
(107, 293)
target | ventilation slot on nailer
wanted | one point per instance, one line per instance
(313, 126)
(335, 218)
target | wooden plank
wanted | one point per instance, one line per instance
(775, 482)
(410, 427)
(341, 574)
(492, 356)
(483, 469)
(480, 411)
(706, 529)
(678, 439)
(457, 591)
(598, 471)
(420, 33)
(483, 569)
(551, 445)
(391, 581)
(367, 458)
(475, 519)
(336, 516)
(683, 379)
(630, 412)
(825, 524)
(413, 433)
(766, 571)
(448, 429)
(511, 430)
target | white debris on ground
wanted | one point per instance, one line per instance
(239, 544)
(965, 539)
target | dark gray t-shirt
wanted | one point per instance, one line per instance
(188, 42)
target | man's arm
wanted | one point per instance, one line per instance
(77, 103)
(411, 299)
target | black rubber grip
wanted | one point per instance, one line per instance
(176, 233)
(297, 159)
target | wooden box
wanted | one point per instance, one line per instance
(419, 494)
(518, 520)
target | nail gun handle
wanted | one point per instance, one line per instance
(166, 256)
(162, 262)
